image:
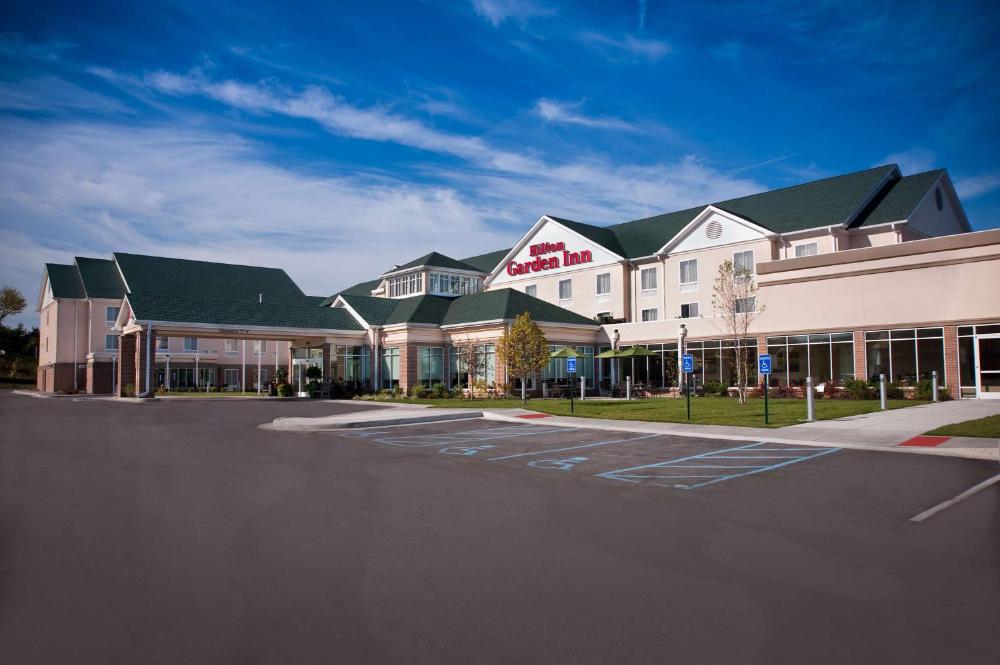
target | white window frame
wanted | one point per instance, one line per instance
(225, 377)
(644, 315)
(568, 300)
(687, 286)
(753, 262)
(107, 312)
(753, 302)
(163, 343)
(647, 291)
(803, 246)
(114, 347)
(531, 290)
(603, 296)
(235, 351)
(188, 348)
(689, 305)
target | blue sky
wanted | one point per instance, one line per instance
(338, 139)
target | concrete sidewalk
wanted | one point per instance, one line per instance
(395, 414)
(883, 430)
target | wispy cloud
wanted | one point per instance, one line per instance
(519, 11)
(555, 111)
(979, 185)
(913, 160)
(625, 49)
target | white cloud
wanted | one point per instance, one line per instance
(627, 48)
(979, 185)
(914, 160)
(519, 11)
(552, 110)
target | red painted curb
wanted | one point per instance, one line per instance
(925, 441)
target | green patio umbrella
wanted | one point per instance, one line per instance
(634, 352)
(563, 353)
(610, 353)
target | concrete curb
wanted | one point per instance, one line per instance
(652, 428)
(328, 424)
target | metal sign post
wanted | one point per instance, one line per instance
(764, 368)
(571, 370)
(687, 366)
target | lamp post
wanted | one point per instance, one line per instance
(166, 378)
(615, 341)
(114, 374)
(682, 334)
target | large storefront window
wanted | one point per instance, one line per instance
(988, 379)
(351, 364)
(823, 356)
(905, 356)
(478, 359)
(715, 360)
(302, 359)
(555, 370)
(430, 366)
(444, 284)
(659, 370)
(390, 367)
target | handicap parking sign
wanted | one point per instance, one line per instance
(571, 365)
(764, 363)
(687, 363)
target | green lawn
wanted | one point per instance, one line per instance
(988, 427)
(704, 410)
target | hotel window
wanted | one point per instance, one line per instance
(406, 285)
(162, 343)
(823, 356)
(604, 287)
(111, 314)
(191, 344)
(689, 310)
(649, 314)
(566, 289)
(745, 305)
(808, 249)
(232, 347)
(647, 278)
(531, 290)
(452, 285)
(905, 356)
(232, 378)
(430, 366)
(483, 358)
(390, 367)
(260, 346)
(743, 262)
(111, 342)
(689, 275)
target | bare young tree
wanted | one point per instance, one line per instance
(734, 300)
(473, 361)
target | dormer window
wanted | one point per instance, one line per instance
(406, 285)
(445, 284)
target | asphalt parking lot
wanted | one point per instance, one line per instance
(179, 532)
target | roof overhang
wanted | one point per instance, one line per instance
(526, 238)
(222, 331)
(708, 211)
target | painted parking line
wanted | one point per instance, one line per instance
(474, 436)
(548, 451)
(975, 489)
(715, 467)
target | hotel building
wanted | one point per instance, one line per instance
(861, 274)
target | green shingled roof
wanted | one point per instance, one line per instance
(420, 309)
(100, 278)
(898, 201)
(434, 260)
(362, 289)
(602, 235)
(65, 281)
(487, 262)
(154, 275)
(507, 304)
(239, 313)
(376, 311)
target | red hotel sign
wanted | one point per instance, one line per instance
(542, 262)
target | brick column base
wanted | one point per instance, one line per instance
(860, 362)
(126, 366)
(951, 377)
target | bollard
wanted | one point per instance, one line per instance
(628, 387)
(881, 392)
(583, 387)
(810, 404)
(934, 386)
(545, 389)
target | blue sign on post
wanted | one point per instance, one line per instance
(571, 365)
(687, 363)
(764, 363)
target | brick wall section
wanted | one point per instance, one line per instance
(126, 363)
(951, 361)
(140, 360)
(860, 364)
(327, 359)
(407, 366)
(99, 378)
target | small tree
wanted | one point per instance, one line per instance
(734, 299)
(11, 302)
(473, 362)
(524, 350)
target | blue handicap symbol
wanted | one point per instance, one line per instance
(764, 363)
(466, 450)
(557, 464)
(571, 365)
(687, 361)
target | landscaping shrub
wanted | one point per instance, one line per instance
(439, 391)
(894, 391)
(312, 387)
(859, 389)
(923, 391)
(284, 390)
(420, 392)
(128, 390)
(716, 388)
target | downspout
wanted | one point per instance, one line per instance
(76, 336)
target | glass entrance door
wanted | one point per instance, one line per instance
(988, 366)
